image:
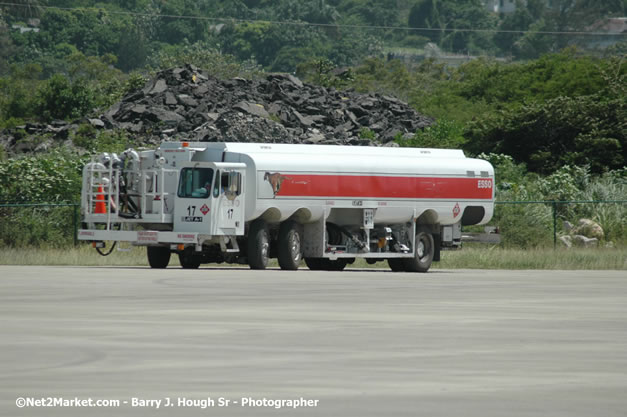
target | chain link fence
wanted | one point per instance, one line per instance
(520, 223)
(39, 224)
(538, 223)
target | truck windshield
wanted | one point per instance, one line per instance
(195, 182)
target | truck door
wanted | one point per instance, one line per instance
(192, 208)
(228, 200)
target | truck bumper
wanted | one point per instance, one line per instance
(142, 237)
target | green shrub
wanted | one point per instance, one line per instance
(59, 98)
(507, 172)
(612, 217)
(94, 141)
(44, 178)
(531, 225)
(36, 227)
(51, 177)
(443, 134)
(366, 133)
(524, 225)
(84, 137)
(112, 141)
(135, 81)
(11, 123)
(203, 56)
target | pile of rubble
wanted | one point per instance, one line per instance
(587, 234)
(186, 104)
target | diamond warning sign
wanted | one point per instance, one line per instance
(456, 210)
(204, 210)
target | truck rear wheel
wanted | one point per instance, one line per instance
(324, 264)
(315, 264)
(258, 245)
(188, 259)
(158, 256)
(396, 264)
(290, 251)
(336, 264)
(423, 253)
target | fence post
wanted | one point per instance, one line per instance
(75, 223)
(554, 224)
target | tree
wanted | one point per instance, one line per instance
(520, 20)
(174, 30)
(444, 16)
(59, 98)
(597, 8)
(23, 9)
(320, 12)
(17, 91)
(553, 75)
(585, 130)
(578, 15)
(379, 12)
(263, 42)
(425, 14)
(7, 48)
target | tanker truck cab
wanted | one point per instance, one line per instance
(210, 199)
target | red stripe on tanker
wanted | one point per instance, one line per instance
(373, 186)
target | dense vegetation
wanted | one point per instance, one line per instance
(343, 31)
(552, 120)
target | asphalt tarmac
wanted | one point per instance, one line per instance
(353, 343)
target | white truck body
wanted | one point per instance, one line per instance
(369, 196)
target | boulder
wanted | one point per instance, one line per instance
(159, 87)
(170, 99)
(585, 242)
(589, 228)
(568, 226)
(97, 123)
(566, 240)
(252, 108)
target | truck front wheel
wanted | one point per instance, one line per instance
(258, 245)
(158, 256)
(290, 251)
(423, 253)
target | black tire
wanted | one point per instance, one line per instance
(158, 256)
(335, 265)
(188, 259)
(396, 264)
(258, 245)
(315, 264)
(423, 253)
(290, 251)
(324, 264)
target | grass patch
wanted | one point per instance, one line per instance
(468, 258)
(539, 258)
(82, 255)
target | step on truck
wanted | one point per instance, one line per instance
(248, 202)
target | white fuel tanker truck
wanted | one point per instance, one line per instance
(248, 202)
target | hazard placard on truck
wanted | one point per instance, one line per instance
(249, 202)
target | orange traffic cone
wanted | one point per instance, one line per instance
(101, 207)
